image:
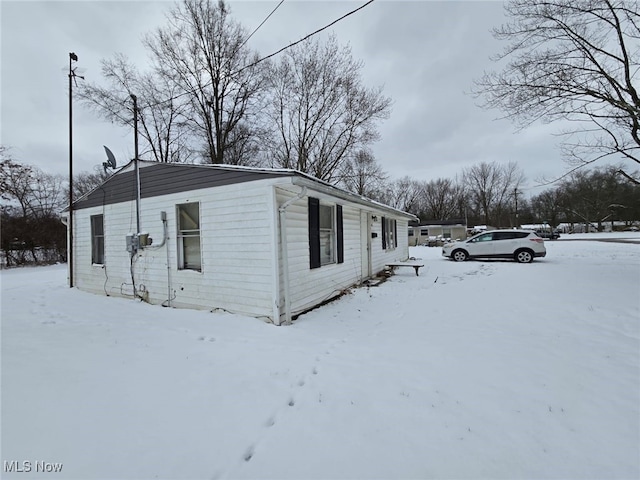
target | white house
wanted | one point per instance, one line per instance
(260, 242)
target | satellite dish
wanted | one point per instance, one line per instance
(111, 160)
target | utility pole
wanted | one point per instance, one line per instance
(515, 196)
(72, 79)
(135, 160)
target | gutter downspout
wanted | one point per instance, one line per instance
(284, 251)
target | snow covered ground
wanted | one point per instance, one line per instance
(491, 370)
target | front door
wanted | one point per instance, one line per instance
(365, 244)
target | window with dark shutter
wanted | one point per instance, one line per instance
(326, 234)
(389, 233)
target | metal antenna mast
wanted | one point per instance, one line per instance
(72, 79)
(135, 159)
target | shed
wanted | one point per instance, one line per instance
(269, 243)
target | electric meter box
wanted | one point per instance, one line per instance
(132, 243)
(143, 240)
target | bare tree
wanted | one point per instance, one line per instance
(547, 206)
(84, 182)
(15, 181)
(363, 175)
(161, 113)
(48, 194)
(30, 216)
(321, 111)
(576, 61)
(244, 146)
(36, 193)
(440, 199)
(203, 52)
(489, 186)
(403, 194)
(592, 197)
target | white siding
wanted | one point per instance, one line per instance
(236, 233)
(380, 257)
(309, 287)
(240, 243)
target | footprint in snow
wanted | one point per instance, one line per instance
(248, 455)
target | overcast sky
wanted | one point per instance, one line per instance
(424, 53)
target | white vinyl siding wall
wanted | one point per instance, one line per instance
(308, 287)
(242, 269)
(380, 257)
(236, 228)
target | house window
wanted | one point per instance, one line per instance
(327, 235)
(189, 257)
(97, 239)
(326, 244)
(424, 232)
(410, 232)
(446, 233)
(389, 233)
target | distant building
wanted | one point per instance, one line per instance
(437, 231)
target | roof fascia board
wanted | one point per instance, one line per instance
(313, 184)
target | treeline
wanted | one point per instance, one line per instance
(484, 194)
(31, 228)
(492, 194)
(33, 201)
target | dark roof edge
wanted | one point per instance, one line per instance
(304, 178)
(453, 221)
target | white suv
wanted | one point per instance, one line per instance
(520, 245)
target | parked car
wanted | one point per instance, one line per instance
(548, 233)
(520, 245)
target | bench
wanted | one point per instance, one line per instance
(411, 263)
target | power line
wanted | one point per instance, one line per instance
(258, 27)
(268, 56)
(305, 38)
